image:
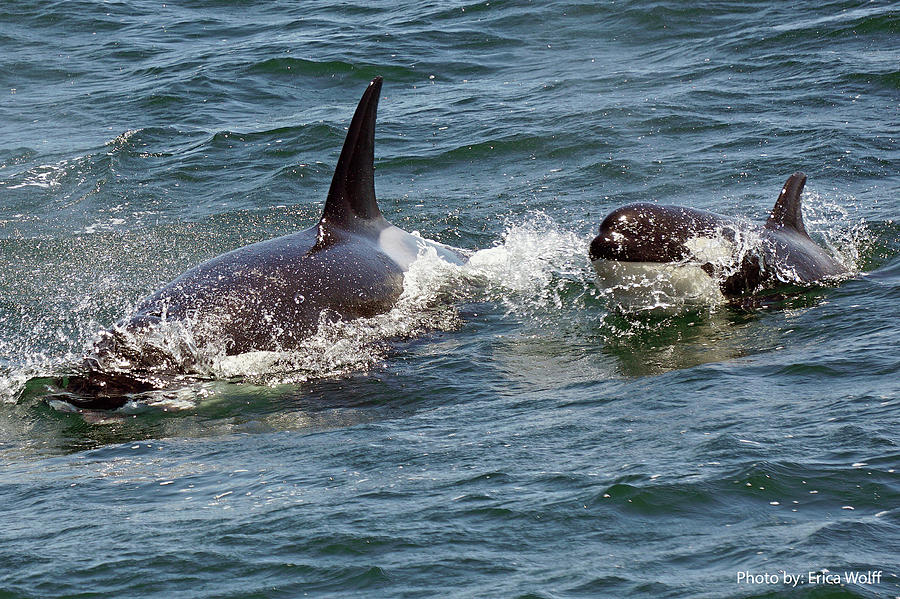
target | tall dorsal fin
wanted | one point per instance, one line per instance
(787, 213)
(352, 192)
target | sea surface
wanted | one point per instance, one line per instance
(505, 431)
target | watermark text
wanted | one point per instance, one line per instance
(818, 577)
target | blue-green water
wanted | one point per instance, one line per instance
(506, 435)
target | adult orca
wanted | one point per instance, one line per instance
(686, 253)
(271, 295)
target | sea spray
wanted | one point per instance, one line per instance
(537, 272)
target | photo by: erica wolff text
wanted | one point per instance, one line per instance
(818, 577)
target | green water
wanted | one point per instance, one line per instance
(508, 435)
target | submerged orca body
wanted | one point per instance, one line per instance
(271, 295)
(708, 256)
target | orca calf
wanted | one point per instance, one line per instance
(272, 294)
(703, 257)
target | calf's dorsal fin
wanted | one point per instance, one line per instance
(352, 192)
(787, 213)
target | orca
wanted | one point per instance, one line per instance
(273, 294)
(702, 257)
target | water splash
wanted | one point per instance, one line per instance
(538, 273)
(834, 223)
(530, 268)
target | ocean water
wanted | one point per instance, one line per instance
(504, 432)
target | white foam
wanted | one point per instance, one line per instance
(44, 176)
(833, 224)
(530, 267)
(110, 224)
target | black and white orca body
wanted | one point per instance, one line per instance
(271, 295)
(707, 258)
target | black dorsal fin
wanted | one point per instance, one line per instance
(352, 192)
(787, 213)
